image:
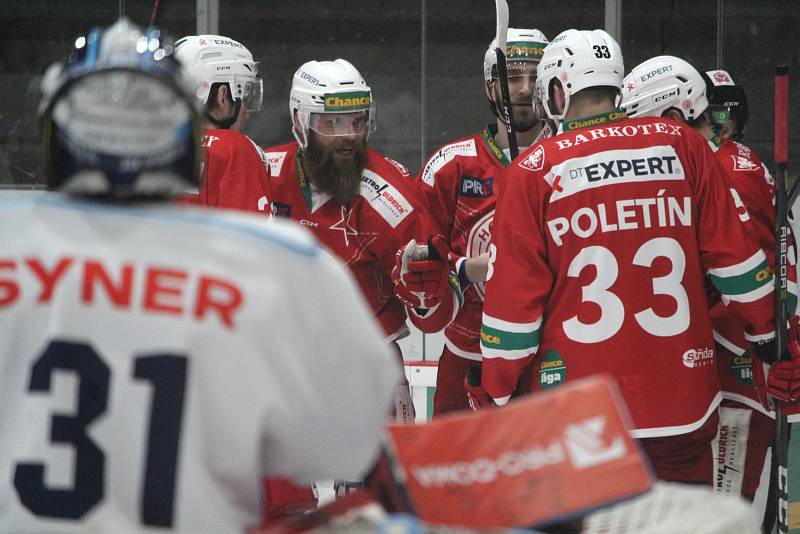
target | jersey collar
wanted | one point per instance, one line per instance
(595, 120)
(488, 139)
(302, 179)
(716, 142)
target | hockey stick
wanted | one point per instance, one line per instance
(781, 243)
(502, 75)
(154, 13)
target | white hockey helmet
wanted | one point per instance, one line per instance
(216, 59)
(578, 59)
(661, 83)
(331, 98)
(522, 45)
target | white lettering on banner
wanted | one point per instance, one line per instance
(275, 160)
(613, 167)
(384, 198)
(446, 154)
(485, 470)
(625, 214)
(630, 130)
(585, 443)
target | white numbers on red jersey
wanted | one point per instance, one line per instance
(740, 207)
(612, 309)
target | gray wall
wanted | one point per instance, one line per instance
(423, 58)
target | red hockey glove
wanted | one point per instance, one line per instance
(783, 380)
(420, 273)
(476, 395)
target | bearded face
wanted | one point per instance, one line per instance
(335, 163)
(521, 81)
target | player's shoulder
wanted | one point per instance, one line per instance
(387, 167)
(278, 155)
(451, 153)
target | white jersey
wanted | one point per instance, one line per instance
(157, 362)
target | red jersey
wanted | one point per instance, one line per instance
(235, 172)
(601, 241)
(366, 234)
(754, 189)
(459, 186)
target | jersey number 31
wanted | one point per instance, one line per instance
(166, 373)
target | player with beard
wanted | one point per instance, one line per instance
(234, 167)
(459, 184)
(362, 205)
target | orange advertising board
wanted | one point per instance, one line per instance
(542, 457)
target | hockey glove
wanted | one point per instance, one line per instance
(783, 380)
(476, 395)
(420, 273)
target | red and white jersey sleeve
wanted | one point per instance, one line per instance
(365, 234)
(458, 185)
(235, 172)
(754, 189)
(602, 239)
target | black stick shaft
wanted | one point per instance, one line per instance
(508, 115)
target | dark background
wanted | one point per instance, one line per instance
(422, 58)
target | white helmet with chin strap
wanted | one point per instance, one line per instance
(661, 83)
(331, 98)
(212, 59)
(521, 45)
(577, 60)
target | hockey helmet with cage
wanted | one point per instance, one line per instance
(661, 83)
(215, 59)
(119, 119)
(726, 101)
(331, 98)
(522, 45)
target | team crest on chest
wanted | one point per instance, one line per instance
(743, 164)
(343, 225)
(478, 242)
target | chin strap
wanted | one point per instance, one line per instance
(225, 124)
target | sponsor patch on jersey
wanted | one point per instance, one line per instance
(742, 164)
(552, 370)
(281, 210)
(742, 368)
(694, 358)
(399, 166)
(446, 154)
(613, 167)
(474, 187)
(275, 160)
(384, 198)
(535, 160)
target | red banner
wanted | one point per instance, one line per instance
(537, 459)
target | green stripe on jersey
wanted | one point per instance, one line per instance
(746, 282)
(494, 338)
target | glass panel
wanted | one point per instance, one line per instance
(37, 33)
(757, 36)
(380, 38)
